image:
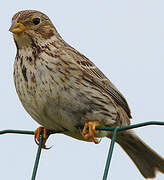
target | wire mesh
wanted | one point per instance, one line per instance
(111, 147)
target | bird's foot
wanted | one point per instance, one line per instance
(89, 131)
(37, 136)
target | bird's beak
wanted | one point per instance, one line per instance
(17, 28)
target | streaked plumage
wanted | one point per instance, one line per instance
(62, 89)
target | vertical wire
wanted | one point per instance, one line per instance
(110, 153)
(37, 158)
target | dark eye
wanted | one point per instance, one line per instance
(36, 21)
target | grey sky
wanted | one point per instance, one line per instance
(125, 39)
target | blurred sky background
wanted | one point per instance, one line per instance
(125, 39)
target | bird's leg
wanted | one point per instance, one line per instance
(89, 131)
(37, 135)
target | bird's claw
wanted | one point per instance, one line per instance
(89, 131)
(37, 136)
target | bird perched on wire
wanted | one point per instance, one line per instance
(62, 90)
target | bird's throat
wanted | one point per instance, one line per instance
(22, 40)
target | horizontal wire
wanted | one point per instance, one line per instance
(16, 132)
(122, 128)
(104, 128)
(8, 131)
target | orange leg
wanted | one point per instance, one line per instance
(37, 135)
(89, 131)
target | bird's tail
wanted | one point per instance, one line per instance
(146, 159)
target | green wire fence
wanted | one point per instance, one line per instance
(111, 148)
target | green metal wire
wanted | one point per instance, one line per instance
(7, 131)
(109, 157)
(130, 126)
(111, 148)
(37, 158)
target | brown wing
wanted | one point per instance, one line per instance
(97, 78)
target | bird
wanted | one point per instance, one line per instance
(63, 90)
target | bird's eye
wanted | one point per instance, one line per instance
(36, 21)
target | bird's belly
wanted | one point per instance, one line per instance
(58, 112)
(65, 112)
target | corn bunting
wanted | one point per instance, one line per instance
(62, 90)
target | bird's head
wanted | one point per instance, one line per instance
(30, 26)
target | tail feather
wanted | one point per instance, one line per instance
(146, 159)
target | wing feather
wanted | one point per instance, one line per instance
(97, 78)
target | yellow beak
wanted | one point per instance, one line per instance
(17, 28)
